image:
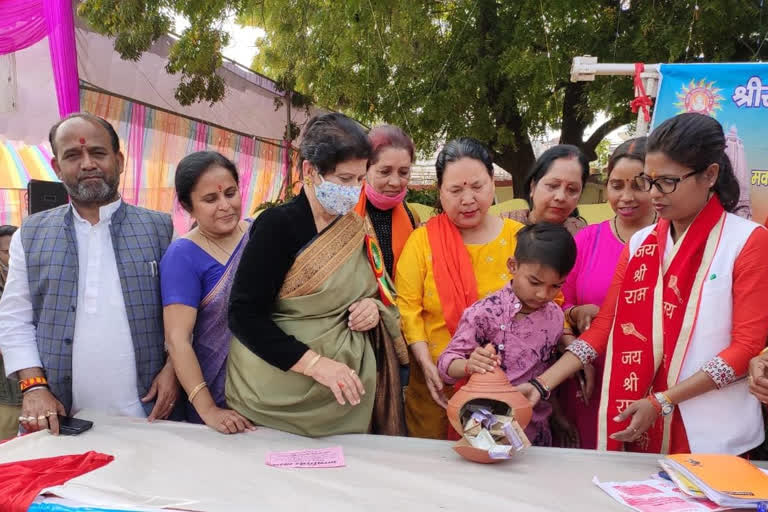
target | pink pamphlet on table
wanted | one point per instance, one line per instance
(323, 458)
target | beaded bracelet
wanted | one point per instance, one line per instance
(32, 381)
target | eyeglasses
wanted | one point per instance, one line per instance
(664, 184)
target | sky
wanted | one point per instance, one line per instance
(242, 40)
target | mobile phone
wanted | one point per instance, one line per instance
(73, 426)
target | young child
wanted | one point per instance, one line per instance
(520, 320)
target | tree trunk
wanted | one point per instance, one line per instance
(517, 162)
(574, 122)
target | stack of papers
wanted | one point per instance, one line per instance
(727, 480)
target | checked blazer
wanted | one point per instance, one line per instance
(139, 238)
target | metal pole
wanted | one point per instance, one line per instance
(586, 68)
(8, 83)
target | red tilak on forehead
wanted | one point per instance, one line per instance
(220, 189)
(82, 141)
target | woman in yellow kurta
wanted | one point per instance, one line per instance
(459, 257)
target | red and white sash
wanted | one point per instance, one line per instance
(654, 322)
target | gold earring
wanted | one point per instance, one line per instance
(308, 181)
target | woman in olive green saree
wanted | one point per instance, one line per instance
(317, 342)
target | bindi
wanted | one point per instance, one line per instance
(82, 141)
(220, 189)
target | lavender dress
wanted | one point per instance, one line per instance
(190, 276)
(528, 343)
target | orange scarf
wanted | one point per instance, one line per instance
(401, 226)
(654, 322)
(452, 268)
(454, 278)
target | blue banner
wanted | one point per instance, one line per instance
(737, 96)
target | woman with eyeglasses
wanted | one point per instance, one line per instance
(599, 249)
(684, 314)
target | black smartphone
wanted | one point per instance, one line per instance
(73, 426)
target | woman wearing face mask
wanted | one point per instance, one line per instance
(599, 247)
(311, 308)
(195, 276)
(386, 185)
(554, 187)
(459, 257)
(684, 314)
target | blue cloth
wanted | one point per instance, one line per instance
(53, 507)
(188, 273)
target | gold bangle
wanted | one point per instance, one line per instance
(312, 363)
(763, 351)
(195, 391)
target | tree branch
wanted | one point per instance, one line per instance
(604, 129)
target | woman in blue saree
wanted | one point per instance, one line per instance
(196, 276)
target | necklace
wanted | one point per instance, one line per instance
(228, 253)
(616, 228)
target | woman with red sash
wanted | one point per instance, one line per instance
(459, 257)
(683, 316)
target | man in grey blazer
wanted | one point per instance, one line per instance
(81, 321)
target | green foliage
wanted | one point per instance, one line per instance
(603, 151)
(497, 70)
(427, 196)
(136, 24)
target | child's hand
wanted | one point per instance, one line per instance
(483, 360)
(529, 392)
(584, 314)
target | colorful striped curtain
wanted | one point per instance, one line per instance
(154, 141)
(18, 165)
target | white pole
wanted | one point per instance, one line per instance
(8, 83)
(585, 68)
(651, 82)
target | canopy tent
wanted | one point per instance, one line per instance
(155, 130)
(153, 142)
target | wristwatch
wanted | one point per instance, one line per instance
(666, 406)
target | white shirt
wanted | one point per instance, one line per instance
(103, 359)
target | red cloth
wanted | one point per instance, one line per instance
(642, 100)
(22, 481)
(637, 311)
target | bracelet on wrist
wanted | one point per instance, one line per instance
(569, 316)
(26, 384)
(655, 403)
(35, 388)
(195, 391)
(542, 388)
(312, 363)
